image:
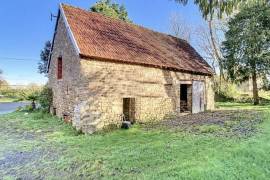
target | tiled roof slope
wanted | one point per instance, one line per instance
(105, 38)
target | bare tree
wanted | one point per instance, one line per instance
(217, 29)
(179, 28)
(208, 41)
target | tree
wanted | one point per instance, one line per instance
(209, 8)
(31, 92)
(246, 48)
(1, 72)
(44, 58)
(46, 98)
(2, 81)
(204, 42)
(33, 98)
(114, 10)
(208, 42)
(179, 28)
(216, 8)
(3, 84)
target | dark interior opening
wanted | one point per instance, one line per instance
(183, 92)
(185, 101)
(129, 109)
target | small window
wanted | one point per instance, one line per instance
(59, 68)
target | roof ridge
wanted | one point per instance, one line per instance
(123, 22)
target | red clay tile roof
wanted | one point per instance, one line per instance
(105, 38)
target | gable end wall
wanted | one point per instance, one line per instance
(64, 90)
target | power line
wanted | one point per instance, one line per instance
(12, 85)
(19, 59)
(23, 85)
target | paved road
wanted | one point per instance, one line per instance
(8, 107)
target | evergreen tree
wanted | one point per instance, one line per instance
(110, 9)
(247, 46)
(211, 8)
(44, 58)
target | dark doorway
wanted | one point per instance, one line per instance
(183, 92)
(129, 109)
(185, 98)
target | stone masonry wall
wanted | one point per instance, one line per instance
(91, 92)
(105, 84)
(64, 89)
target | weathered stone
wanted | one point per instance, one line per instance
(91, 92)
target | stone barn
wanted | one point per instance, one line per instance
(103, 71)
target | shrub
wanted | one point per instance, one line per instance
(28, 108)
(231, 92)
(45, 98)
(22, 93)
(33, 98)
(227, 92)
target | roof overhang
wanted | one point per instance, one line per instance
(146, 65)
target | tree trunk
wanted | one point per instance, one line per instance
(33, 104)
(255, 89)
(216, 52)
(214, 42)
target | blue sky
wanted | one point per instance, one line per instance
(26, 25)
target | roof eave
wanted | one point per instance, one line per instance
(87, 57)
(70, 33)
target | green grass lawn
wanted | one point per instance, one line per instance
(37, 146)
(241, 106)
(8, 99)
